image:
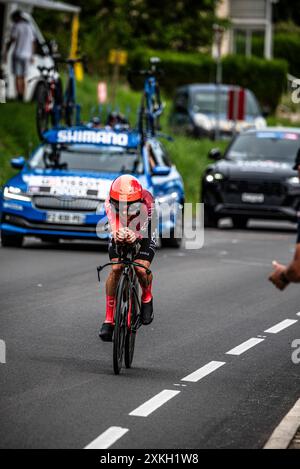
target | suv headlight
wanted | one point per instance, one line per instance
(168, 199)
(15, 193)
(203, 121)
(212, 177)
(294, 181)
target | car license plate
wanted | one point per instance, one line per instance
(65, 218)
(253, 198)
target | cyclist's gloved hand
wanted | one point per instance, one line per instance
(131, 236)
(121, 235)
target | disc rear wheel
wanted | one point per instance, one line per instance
(131, 333)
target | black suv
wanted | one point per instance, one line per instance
(254, 179)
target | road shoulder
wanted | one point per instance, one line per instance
(285, 432)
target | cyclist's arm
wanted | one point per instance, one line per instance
(114, 222)
(149, 218)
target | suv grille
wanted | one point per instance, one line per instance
(262, 187)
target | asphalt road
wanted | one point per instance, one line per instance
(58, 390)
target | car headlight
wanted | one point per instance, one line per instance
(260, 123)
(212, 177)
(15, 193)
(203, 121)
(168, 199)
(294, 181)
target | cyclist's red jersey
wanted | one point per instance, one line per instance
(142, 222)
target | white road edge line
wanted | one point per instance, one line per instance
(244, 346)
(286, 430)
(281, 325)
(203, 371)
(154, 403)
(108, 438)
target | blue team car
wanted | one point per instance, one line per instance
(59, 192)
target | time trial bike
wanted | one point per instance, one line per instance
(128, 306)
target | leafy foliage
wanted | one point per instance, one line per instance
(266, 78)
(184, 25)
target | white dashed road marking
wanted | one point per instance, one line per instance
(203, 371)
(108, 438)
(154, 403)
(281, 325)
(244, 346)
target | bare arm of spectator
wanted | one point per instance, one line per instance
(283, 275)
(8, 46)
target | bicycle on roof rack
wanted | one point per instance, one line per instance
(53, 104)
(128, 306)
(151, 106)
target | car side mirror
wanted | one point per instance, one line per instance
(161, 171)
(215, 154)
(18, 163)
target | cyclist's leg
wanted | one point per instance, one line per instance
(145, 280)
(112, 282)
(145, 257)
(111, 288)
(107, 327)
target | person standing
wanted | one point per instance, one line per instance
(23, 39)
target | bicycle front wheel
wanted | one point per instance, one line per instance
(122, 308)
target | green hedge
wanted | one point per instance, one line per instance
(285, 46)
(266, 78)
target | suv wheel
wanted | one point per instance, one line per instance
(11, 241)
(210, 219)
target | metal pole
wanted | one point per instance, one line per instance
(268, 30)
(218, 30)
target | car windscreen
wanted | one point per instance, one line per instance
(206, 102)
(275, 146)
(87, 158)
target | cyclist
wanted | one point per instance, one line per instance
(131, 214)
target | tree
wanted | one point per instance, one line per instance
(183, 25)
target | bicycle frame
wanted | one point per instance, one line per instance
(70, 94)
(130, 274)
(151, 96)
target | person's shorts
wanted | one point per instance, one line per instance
(146, 252)
(19, 66)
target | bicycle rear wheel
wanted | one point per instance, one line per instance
(130, 332)
(122, 307)
(43, 115)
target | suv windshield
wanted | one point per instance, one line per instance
(87, 158)
(281, 146)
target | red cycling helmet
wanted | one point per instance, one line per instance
(126, 188)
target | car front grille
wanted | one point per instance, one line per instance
(268, 188)
(60, 203)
